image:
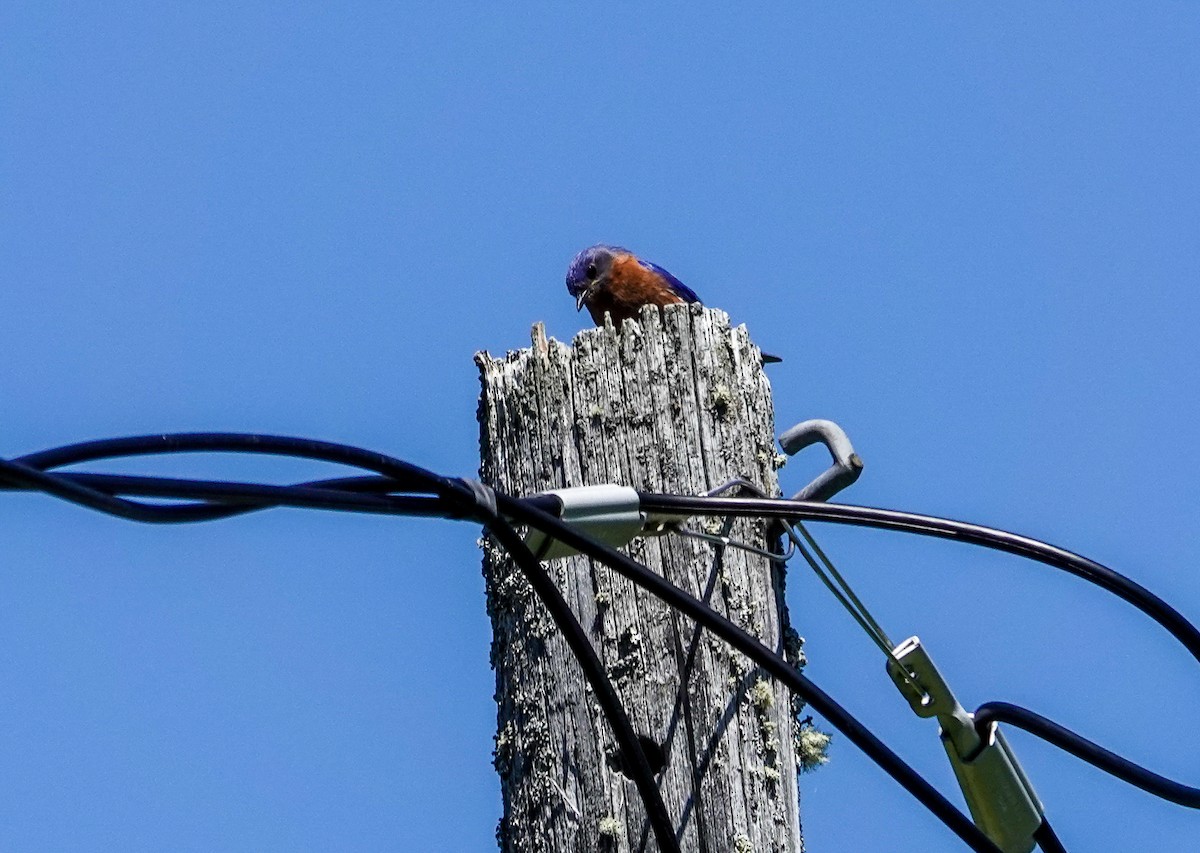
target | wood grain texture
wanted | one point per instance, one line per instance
(673, 402)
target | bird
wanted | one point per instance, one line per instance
(613, 280)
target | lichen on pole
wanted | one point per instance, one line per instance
(674, 402)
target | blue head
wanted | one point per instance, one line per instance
(590, 271)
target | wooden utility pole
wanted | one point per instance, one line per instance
(678, 403)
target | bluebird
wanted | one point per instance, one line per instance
(613, 280)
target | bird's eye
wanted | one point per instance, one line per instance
(592, 272)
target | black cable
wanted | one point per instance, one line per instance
(1082, 748)
(28, 470)
(406, 474)
(462, 498)
(451, 499)
(69, 490)
(943, 528)
(1001, 540)
(222, 499)
(1046, 839)
(217, 499)
(634, 757)
(463, 502)
(773, 663)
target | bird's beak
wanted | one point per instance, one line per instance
(582, 297)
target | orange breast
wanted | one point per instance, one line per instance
(634, 285)
(630, 286)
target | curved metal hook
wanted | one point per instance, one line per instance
(846, 465)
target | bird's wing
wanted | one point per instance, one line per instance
(680, 289)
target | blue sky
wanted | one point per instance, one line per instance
(971, 231)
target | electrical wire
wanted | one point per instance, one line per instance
(821, 566)
(1001, 540)
(1044, 836)
(943, 528)
(773, 663)
(1046, 839)
(217, 499)
(400, 488)
(635, 763)
(31, 471)
(457, 500)
(1003, 712)
(461, 500)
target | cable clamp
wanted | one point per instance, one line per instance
(1003, 803)
(610, 513)
(481, 493)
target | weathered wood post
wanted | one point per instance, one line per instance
(677, 402)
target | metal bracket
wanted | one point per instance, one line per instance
(846, 463)
(609, 513)
(1003, 803)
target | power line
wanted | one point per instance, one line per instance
(773, 663)
(454, 500)
(397, 487)
(943, 528)
(459, 499)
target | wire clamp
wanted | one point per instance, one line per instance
(1003, 803)
(481, 494)
(609, 513)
